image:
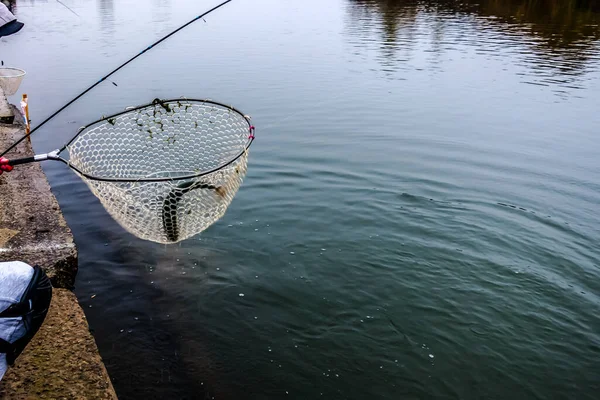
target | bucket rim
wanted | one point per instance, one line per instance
(20, 73)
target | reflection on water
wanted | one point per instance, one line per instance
(556, 40)
(106, 15)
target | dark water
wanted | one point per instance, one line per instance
(420, 218)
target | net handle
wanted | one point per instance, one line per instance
(36, 158)
(54, 155)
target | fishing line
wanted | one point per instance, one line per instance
(15, 144)
(68, 8)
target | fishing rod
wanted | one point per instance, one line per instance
(111, 73)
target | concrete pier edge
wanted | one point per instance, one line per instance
(62, 361)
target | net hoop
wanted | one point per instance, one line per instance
(104, 119)
(167, 170)
(10, 80)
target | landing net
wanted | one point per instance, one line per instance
(167, 170)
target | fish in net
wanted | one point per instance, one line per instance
(164, 171)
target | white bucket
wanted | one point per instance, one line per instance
(10, 80)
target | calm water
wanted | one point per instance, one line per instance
(420, 218)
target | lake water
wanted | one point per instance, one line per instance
(420, 217)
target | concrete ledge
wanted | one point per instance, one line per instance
(6, 114)
(32, 228)
(62, 361)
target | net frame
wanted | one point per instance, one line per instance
(56, 154)
(10, 79)
(172, 207)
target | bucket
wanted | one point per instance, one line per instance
(10, 80)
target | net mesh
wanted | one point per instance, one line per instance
(10, 80)
(165, 171)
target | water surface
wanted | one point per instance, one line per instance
(419, 220)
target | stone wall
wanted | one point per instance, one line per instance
(62, 361)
